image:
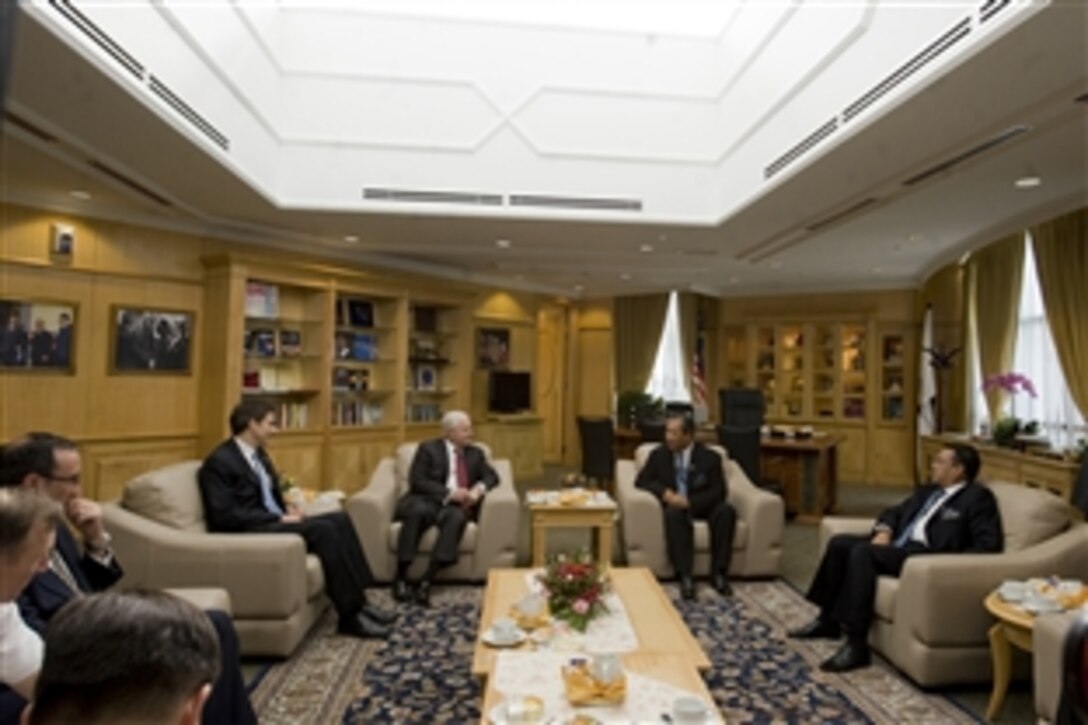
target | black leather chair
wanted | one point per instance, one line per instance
(742, 407)
(742, 444)
(598, 442)
(652, 431)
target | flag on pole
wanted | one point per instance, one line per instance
(698, 380)
(927, 395)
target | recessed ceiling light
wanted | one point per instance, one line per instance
(503, 243)
(80, 194)
(776, 264)
(578, 288)
(662, 237)
(646, 248)
(351, 238)
(1028, 182)
(625, 276)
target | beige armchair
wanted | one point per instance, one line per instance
(276, 590)
(931, 623)
(492, 542)
(757, 542)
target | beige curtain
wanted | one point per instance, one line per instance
(636, 331)
(969, 349)
(1061, 258)
(998, 270)
(689, 329)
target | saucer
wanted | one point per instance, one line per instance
(1041, 605)
(488, 638)
(499, 716)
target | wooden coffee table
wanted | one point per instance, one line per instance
(1013, 628)
(599, 517)
(657, 624)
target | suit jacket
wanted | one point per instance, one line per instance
(967, 522)
(706, 482)
(431, 469)
(231, 490)
(47, 592)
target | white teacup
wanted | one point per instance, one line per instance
(1069, 586)
(1013, 590)
(606, 668)
(504, 629)
(531, 605)
(688, 709)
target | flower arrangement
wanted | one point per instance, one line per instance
(575, 587)
(1008, 428)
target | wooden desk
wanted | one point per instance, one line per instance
(808, 472)
(1013, 628)
(672, 669)
(657, 624)
(601, 518)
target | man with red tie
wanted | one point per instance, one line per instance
(448, 479)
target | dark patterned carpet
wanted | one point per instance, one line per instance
(421, 674)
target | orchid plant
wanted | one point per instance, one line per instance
(1005, 430)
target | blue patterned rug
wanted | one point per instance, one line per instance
(421, 674)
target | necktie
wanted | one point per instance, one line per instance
(681, 475)
(266, 487)
(904, 537)
(60, 568)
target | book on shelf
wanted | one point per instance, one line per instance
(290, 343)
(262, 300)
(364, 348)
(260, 342)
(424, 413)
(425, 319)
(294, 415)
(360, 313)
(357, 412)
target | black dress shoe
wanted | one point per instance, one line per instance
(818, 628)
(851, 656)
(379, 615)
(721, 584)
(687, 588)
(401, 592)
(363, 627)
(423, 594)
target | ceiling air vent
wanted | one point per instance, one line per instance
(422, 196)
(98, 37)
(21, 123)
(575, 202)
(991, 8)
(840, 215)
(801, 148)
(129, 183)
(931, 52)
(948, 164)
(172, 99)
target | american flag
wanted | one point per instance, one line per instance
(698, 378)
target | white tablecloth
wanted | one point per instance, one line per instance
(608, 633)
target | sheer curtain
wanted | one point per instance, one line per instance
(668, 378)
(1036, 358)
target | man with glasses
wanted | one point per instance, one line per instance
(51, 465)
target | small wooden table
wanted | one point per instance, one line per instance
(657, 624)
(600, 517)
(808, 472)
(1013, 627)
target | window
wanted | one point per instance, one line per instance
(667, 378)
(1036, 358)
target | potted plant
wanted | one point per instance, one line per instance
(1008, 429)
(631, 403)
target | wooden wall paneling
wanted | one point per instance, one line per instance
(222, 331)
(892, 456)
(135, 251)
(551, 376)
(852, 452)
(517, 438)
(300, 456)
(109, 464)
(26, 238)
(355, 454)
(148, 402)
(46, 400)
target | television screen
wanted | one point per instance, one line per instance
(509, 392)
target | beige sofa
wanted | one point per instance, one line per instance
(930, 622)
(490, 543)
(757, 542)
(276, 590)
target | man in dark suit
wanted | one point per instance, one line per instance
(52, 465)
(687, 478)
(241, 493)
(953, 514)
(62, 345)
(447, 482)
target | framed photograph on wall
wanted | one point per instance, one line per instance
(37, 335)
(492, 348)
(146, 340)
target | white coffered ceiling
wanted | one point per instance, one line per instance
(735, 148)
